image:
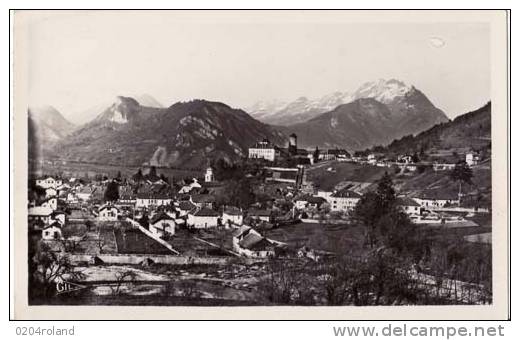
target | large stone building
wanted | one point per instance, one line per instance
(343, 200)
(264, 150)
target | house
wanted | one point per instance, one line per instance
(71, 198)
(203, 218)
(313, 202)
(233, 215)
(184, 207)
(150, 199)
(128, 199)
(208, 176)
(263, 150)
(301, 202)
(58, 216)
(334, 154)
(108, 212)
(188, 187)
(51, 192)
(472, 158)
(42, 215)
(63, 187)
(371, 159)
(49, 182)
(343, 200)
(260, 215)
(409, 206)
(84, 193)
(203, 200)
(248, 242)
(52, 231)
(162, 224)
(50, 202)
(404, 159)
(326, 194)
(240, 233)
(251, 246)
(436, 199)
(127, 196)
(443, 166)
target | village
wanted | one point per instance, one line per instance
(279, 203)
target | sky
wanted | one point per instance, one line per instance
(81, 59)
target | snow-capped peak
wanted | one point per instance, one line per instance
(304, 108)
(383, 90)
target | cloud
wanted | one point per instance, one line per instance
(437, 42)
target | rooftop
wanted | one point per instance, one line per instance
(233, 211)
(202, 198)
(186, 205)
(160, 217)
(53, 224)
(250, 239)
(258, 212)
(206, 212)
(264, 144)
(345, 193)
(242, 230)
(40, 211)
(107, 206)
(153, 195)
(407, 201)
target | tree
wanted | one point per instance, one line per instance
(89, 224)
(112, 192)
(386, 192)
(100, 243)
(72, 243)
(239, 193)
(138, 177)
(462, 173)
(385, 224)
(316, 155)
(152, 175)
(286, 283)
(144, 221)
(127, 276)
(48, 267)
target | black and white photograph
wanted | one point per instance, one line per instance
(260, 159)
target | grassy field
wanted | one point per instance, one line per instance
(342, 171)
(440, 181)
(332, 238)
(100, 237)
(350, 238)
(133, 241)
(184, 241)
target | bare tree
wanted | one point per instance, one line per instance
(127, 276)
(100, 243)
(47, 268)
(72, 243)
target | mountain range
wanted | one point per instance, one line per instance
(412, 110)
(93, 111)
(376, 113)
(185, 134)
(470, 130)
(48, 124)
(139, 130)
